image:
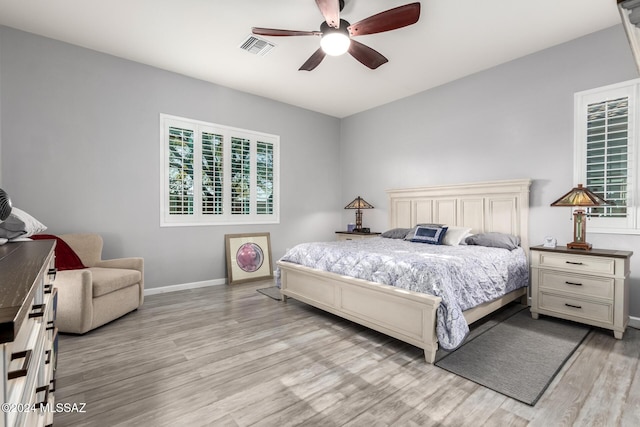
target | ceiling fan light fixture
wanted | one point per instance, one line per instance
(335, 41)
(335, 44)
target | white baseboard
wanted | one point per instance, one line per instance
(184, 286)
(634, 322)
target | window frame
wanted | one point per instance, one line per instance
(197, 217)
(631, 223)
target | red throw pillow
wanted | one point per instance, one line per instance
(66, 258)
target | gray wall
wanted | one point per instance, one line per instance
(511, 121)
(80, 144)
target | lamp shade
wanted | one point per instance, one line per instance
(359, 203)
(580, 196)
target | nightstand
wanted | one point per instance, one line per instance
(590, 287)
(354, 235)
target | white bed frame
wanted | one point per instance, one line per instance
(501, 206)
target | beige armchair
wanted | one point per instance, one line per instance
(93, 296)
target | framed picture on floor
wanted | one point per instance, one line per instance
(248, 257)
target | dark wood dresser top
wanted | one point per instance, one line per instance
(20, 265)
(614, 253)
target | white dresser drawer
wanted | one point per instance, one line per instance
(578, 263)
(591, 286)
(575, 307)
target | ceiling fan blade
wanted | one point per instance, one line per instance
(391, 19)
(331, 11)
(277, 33)
(367, 56)
(313, 61)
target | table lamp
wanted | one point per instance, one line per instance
(359, 203)
(584, 198)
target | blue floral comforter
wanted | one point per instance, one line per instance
(463, 276)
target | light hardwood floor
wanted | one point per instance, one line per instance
(230, 356)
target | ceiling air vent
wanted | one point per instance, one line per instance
(256, 45)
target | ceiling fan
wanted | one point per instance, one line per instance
(336, 33)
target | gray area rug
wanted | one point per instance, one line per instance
(518, 357)
(272, 292)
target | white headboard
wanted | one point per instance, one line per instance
(501, 206)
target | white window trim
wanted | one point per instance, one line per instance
(631, 88)
(197, 219)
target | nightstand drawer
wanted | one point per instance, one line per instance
(593, 286)
(578, 263)
(575, 307)
(347, 235)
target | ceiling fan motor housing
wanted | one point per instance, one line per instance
(344, 28)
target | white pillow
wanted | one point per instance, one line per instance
(454, 235)
(20, 224)
(463, 242)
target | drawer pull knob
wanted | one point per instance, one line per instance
(572, 306)
(22, 372)
(574, 263)
(573, 283)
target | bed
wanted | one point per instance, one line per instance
(498, 206)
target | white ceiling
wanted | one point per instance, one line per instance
(201, 39)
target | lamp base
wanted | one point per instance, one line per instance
(579, 245)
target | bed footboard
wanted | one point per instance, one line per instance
(407, 316)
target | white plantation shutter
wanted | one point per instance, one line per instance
(607, 154)
(240, 176)
(181, 146)
(605, 159)
(213, 174)
(264, 178)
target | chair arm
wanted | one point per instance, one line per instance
(132, 263)
(75, 300)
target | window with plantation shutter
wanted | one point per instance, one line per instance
(605, 159)
(214, 174)
(607, 151)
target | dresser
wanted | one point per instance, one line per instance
(28, 337)
(354, 235)
(590, 287)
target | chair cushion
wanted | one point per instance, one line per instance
(107, 280)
